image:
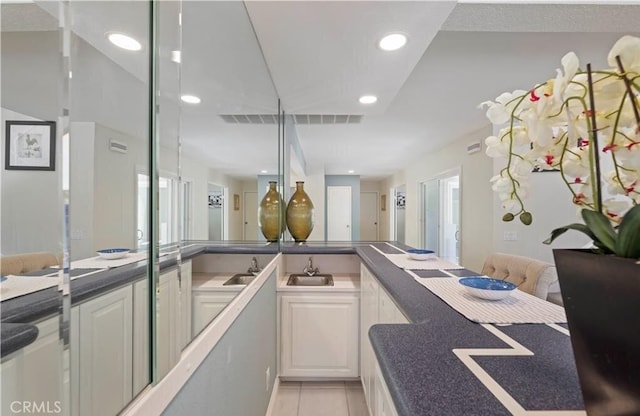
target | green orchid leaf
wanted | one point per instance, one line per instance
(628, 244)
(601, 227)
(577, 227)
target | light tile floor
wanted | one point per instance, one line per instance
(311, 398)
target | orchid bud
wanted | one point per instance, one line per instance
(526, 218)
(507, 217)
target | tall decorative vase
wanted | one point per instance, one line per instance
(271, 214)
(601, 295)
(300, 214)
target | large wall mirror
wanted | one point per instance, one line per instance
(228, 138)
(34, 195)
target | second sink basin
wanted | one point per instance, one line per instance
(306, 280)
(240, 279)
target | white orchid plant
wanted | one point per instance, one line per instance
(572, 123)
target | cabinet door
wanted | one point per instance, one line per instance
(384, 403)
(319, 336)
(184, 327)
(22, 372)
(105, 353)
(370, 316)
(206, 306)
(167, 324)
(140, 335)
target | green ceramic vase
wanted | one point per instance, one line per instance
(300, 214)
(271, 214)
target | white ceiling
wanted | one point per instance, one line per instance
(322, 56)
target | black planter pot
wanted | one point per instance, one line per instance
(601, 297)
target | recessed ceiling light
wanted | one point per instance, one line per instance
(124, 41)
(176, 56)
(263, 171)
(368, 99)
(191, 99)
(393, 42)
(352, 171)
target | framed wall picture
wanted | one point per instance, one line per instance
(30, 145)
(236, 202)
(383, 202)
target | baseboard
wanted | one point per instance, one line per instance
(273, 398)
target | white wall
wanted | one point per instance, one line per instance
(477, 213)
(81, 209)
(31, 207)
(314, 186)
(550, 204)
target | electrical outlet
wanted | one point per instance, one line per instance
(267, 378)
(510, 236)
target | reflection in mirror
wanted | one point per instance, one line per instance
(33, 189)
(109, 142)
(230, 137)
(229, 148)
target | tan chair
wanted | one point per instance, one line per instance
(28, 262)
(533, 276)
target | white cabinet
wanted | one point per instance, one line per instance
(34, 374)
(369, 316)
(167, 333)
(102, 359)
(377, 307)
(207, 305)
(384, 404)
(169, 326)
(319, 335)
(185, 304)
(140, 335)
(388, 311)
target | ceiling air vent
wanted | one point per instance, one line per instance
(299, 118)
(116, 146)
(250, 118)
(327, 118)
(474, 147)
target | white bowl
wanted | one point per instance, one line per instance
(113, 253)
(487, 288)
(418, 254)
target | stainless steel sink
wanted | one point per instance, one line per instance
(240, 279)
(306, 280)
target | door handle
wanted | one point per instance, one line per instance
(457, 235)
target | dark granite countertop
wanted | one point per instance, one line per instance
(32, 307)
(426, 377)
(423, 373)
(16, 336)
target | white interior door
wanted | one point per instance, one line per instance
(339, 213)
(250, 216)
(369, 216)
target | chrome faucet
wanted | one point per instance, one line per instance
(309, 270)
(254, 269)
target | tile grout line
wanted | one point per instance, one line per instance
(299, 399)
(346, 395)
